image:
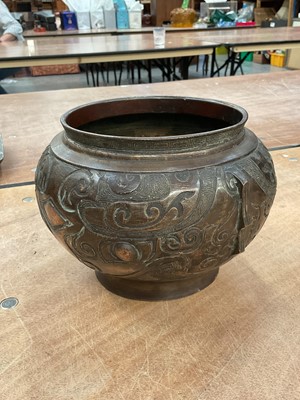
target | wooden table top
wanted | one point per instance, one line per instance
(272, 101)
(63, 49)
(256, 39)
(230, 36)
(68, 338)
(99, 31)
(91, 48)
(30, 33)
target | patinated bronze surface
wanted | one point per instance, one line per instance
(155, 193)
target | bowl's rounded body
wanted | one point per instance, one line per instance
(155, 215)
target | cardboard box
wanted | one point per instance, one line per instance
(55, 70)
(261, 57)
(263, 14)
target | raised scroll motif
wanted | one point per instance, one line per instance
(43, 171)
(157, 225)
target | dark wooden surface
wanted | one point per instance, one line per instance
(29, 121)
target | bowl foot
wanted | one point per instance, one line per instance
(155, 290)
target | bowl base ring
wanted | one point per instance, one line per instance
(156, 290)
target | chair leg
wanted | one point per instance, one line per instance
(97, 73)
(102, 69)
(120, 76)
(107, 72)
(87, 75)
(139, 73)
(205, 64)
(130, 69)
(93, 74)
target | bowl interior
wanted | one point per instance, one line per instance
(153, 117)
(153, 125)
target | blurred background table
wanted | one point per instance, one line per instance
(272, 101)
(90, 49)
(239, 41)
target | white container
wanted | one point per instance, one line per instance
(110, 19)
(83, 20)
(97, 19)
(135, 19)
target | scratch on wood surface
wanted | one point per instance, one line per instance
(144, 370)
(187, 348)
(92, 350)
(227, 362)
(240, 350)
(282, 81)
(19, 356)
(16, 359)
(226, 329)
(221, 370)
(106, 375)
(166, 304)
(293, 360)
(273, 92)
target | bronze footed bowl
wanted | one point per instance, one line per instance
(155, 193)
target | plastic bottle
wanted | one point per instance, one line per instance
(185, 4)
(122, 17)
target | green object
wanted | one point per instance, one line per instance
(185, 4)
(249, 56)
(218, 16)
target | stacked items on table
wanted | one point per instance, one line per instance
(217, 13)
(45, 19)
(111, 14)
(225, 13)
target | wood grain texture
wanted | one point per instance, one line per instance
(252, 36)
(31, 34)
(70, 339)
(94, 48)
(85, 46)
(29, 121)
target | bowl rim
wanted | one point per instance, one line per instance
(240, 124)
